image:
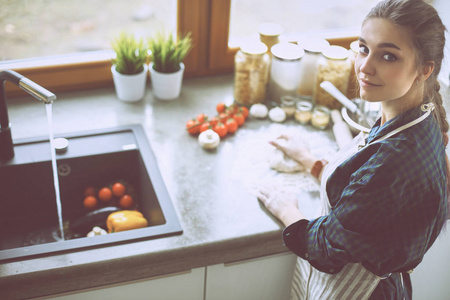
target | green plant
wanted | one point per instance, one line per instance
(131, 53)
(167, 52)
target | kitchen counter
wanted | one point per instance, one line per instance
(212, 192)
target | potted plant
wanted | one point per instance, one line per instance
(166, 66)
(129, 68)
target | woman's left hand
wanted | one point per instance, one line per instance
(280, 204)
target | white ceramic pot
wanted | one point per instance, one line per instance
(166, 86)
(130, 88)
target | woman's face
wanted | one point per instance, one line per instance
(385, 65)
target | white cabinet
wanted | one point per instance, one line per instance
(265, 278)
(430, 280)
(188, 285)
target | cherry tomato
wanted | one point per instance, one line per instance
(126, 202)
(243, 110)
(89, 191)
(105, 194)
(90, 202)
(231, 125)
(202, 118)
(223, 117)
(214, 121)
(118, 189)
(240, 119)
(234, 108)
(205, 126)
(221, 107)
(220, 129)
(192, 126)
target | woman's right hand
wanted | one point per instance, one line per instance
(296, 148)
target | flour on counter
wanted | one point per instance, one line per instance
(252, 167)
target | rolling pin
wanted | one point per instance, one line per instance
(341, 131)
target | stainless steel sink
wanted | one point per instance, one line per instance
(28, 213)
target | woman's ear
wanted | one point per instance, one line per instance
(427, 70)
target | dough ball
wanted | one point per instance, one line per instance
(283, 163)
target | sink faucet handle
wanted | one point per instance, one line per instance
(36, 90)
(28, 86)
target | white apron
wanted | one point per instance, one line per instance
(353, 281)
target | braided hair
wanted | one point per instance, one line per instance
(428, 35)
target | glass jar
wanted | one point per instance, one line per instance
(269, 34)
(308, 67)
(284, 71)
(320, 117)
(334, 67)
(288, 104)
(303, 112)
(251, 72)
(353, 90)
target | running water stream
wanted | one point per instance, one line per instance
(48, 107)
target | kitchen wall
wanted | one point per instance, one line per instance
(443, 7)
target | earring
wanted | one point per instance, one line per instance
(417, 82)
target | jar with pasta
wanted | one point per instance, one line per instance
(251, 72)
(335, 68)
(353, 90)
(313, 48)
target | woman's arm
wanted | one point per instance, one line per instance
(282, 205)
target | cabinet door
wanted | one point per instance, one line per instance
(430, 280)
(189, 285)
(263, 278)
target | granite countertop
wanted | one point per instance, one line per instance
(212, 192)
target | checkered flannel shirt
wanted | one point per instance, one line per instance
(388, 203)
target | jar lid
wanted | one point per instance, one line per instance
(354, 46)
(304, 105)
(254, 48)
(270, 29)
(287, 51)
(335, 52)
(313, 44)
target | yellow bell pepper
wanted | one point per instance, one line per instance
(125, 220)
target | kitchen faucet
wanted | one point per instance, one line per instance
(6, 143)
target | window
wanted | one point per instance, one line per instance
(297, 17)
(38, 28)
(207, 20)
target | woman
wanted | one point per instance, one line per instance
(388, 200)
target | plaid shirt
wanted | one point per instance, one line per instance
(388, 206)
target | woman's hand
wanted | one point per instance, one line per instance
(296, 148)
(282, 205)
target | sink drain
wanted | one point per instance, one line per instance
(64, 170)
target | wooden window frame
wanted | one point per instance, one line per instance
(207, 20)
